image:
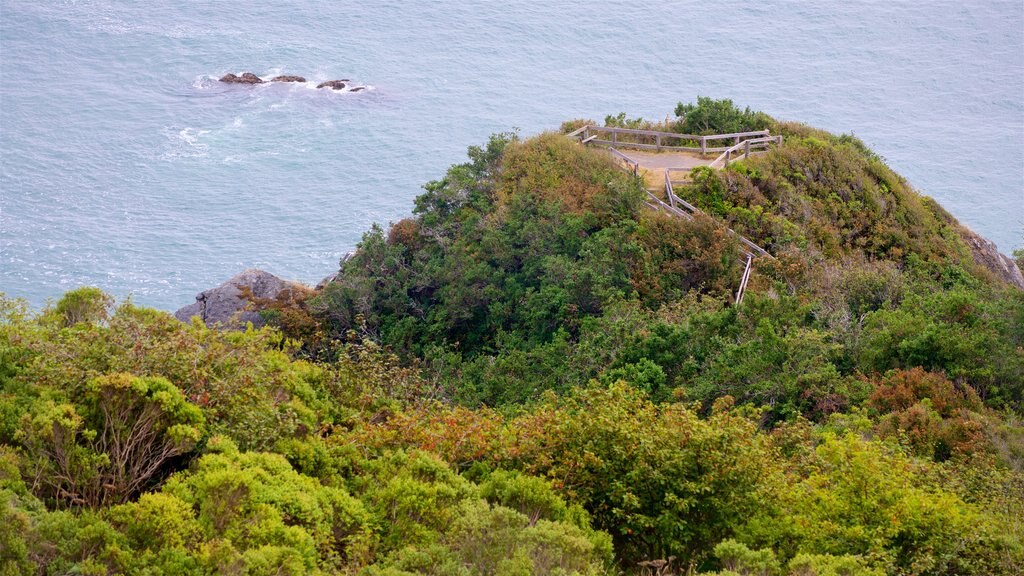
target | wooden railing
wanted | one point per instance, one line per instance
(634, 166)
(749, 248)
(745, 144)
(660, 141)
(744, 149)
(744, 279)
(685, 171)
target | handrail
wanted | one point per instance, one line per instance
(627, 160)
(760, 143)
(743, 280)
(739, 135)
(578, 131)
(639, 132)
(748, 248)
(686, 171)
(673, 199)
(659, 203)
(585, 131)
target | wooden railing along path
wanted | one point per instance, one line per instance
(744, 145)
(659, 141)
(634, 166)
(749, 249)
(744, 149)
(683, 209)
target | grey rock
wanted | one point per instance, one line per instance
(327, 280)
(224, 304)
(287, 79)
(333, 84)
(245, 78)
(987, 255)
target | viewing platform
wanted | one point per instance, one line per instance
(662, 159)
(649, 153)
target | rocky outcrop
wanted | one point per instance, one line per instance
(987, 255)
(327, 280)
(250, 78)
(225, 304)
(334, 84)
(246, 78)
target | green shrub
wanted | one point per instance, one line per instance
(266, 511)
(709, 116)
(90, 305)
(116, 440)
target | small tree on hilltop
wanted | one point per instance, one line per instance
(710, 116)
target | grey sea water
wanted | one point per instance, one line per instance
(124, 164)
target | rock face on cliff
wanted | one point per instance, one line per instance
(988, 255)
(225, 305)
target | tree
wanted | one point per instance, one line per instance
(709, 116)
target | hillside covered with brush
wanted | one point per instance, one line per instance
(536, 373)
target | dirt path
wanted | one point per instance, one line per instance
(661, 160)
(653, 164)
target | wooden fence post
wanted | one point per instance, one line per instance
(668, 189)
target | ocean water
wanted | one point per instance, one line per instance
(124, 164)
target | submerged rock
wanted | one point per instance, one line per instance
(334, 84)
(287, 79)
(245, 78)
(358, 89)
(225, 305)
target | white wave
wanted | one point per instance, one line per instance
(192, 135)
(184, 143)
(204, 82)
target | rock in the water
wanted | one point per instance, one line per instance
(358, 89)
(287, 79)
(988, 255)
(334, 84)
(246, 78)
(224, 304)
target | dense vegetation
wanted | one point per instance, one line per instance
(536, 374)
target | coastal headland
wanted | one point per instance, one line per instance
(717, 344)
